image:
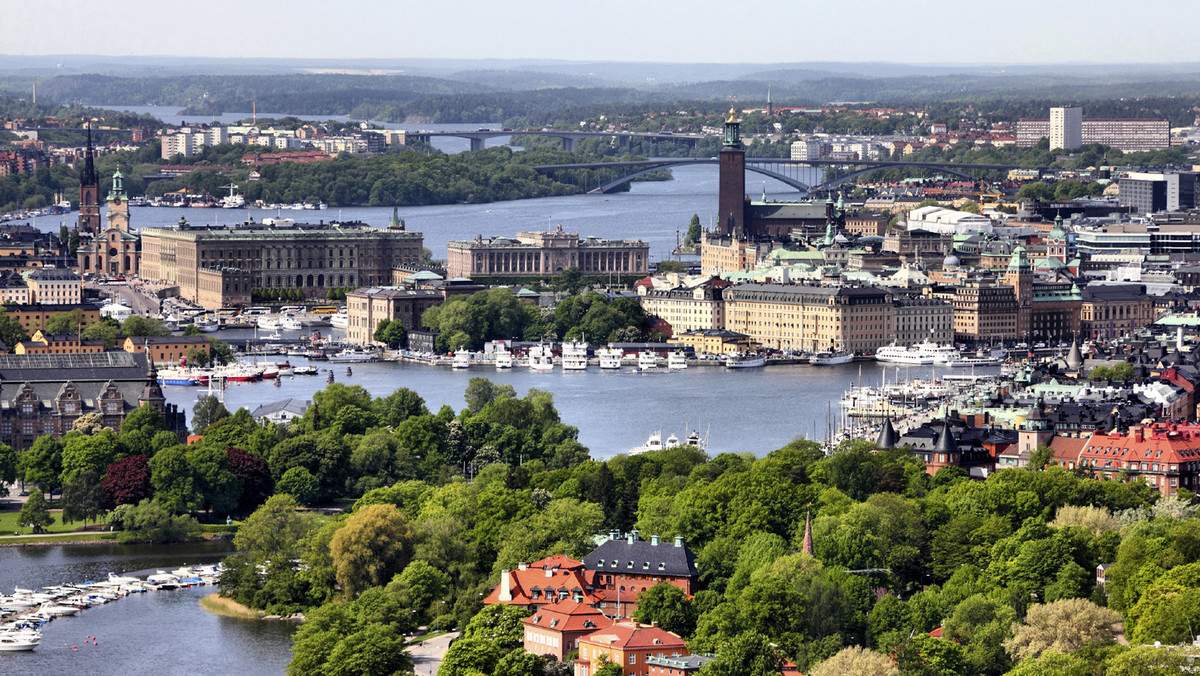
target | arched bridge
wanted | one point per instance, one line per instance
(570, 139)
(775, 167)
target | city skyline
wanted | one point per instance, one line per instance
(704, 31)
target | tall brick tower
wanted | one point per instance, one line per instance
(731, 199)
(1020, 277)
(89, 190)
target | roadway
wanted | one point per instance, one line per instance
(427, 655)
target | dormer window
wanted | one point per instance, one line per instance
(600, 563)
(629, 565)
(646, 565)
(662, 566)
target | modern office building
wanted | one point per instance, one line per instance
(1126, 134)
(1153, 192)
(218, 266)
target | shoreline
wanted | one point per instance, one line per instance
(224, 607)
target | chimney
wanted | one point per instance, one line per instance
(653, 540)
(614, 535)
(629, 537)
(678, 540)
(505, 589)
(549, 572)
(1137, 433)
(522, 566)
(634, 533)
(654, 623)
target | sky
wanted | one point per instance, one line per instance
(668, 31)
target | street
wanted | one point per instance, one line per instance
(427, 657)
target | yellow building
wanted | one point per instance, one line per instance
(688, 308)
(65, 343)
(55, 286)
(811, 318)
(713, 341)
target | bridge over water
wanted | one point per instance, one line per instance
(779, 168)
(570, 139)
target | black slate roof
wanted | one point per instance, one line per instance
(632, 555)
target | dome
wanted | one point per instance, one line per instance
(950, 261)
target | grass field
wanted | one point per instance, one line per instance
(219, 605)
(8, 523)
(9, 540)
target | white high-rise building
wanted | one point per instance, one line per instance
(1066, 128)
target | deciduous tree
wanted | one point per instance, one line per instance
(373, 545)
(126, 481)
(1062, 626)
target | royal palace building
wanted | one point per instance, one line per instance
(218, 266)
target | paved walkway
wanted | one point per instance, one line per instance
(427, 656)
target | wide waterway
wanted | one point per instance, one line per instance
(163, 632)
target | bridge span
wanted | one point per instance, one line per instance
(774, 167)
(570, 139)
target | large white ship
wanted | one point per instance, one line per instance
(575, 356)
(921, 354)
(541, 357)
(610, 357)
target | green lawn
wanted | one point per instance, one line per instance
(8, 523)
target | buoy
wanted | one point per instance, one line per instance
(75, 648)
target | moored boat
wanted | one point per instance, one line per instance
(610, 357)
(352, 356)
(745, 361)
(574, 356)
(830, 358)
(677, 360)
(461, 360)
(647, 360)
(504, 359)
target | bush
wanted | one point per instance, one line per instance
(148, 521)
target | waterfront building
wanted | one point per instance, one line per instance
(543, 254)
(55, 286)
(919, 318)
(366, 307)
(218, 266)
(47, 393)
(166, 349)
(688, 308)
(712, 341)
(191, 140)
(984, 312)
(811, 318)
(628, 644)
(115, 250)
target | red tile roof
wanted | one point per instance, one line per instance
(567, 616)
(541, 585)
(633, 636)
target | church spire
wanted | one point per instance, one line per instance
(806, 547)
(88, 175)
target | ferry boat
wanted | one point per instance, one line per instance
(829, 358)
(610, 357)
(181, 377)
(647, 360)
(745, 361)
(942, 354)
(574, 356)
(677, 360)
(268, 323)
(461, 360)
(290, 323)
(207, 325)
(339, 320)
(350, 355)
(900, 354)
(304, 370)
(971, 362)
(541, 357)
(504, 359)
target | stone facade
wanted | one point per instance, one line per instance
(543, 254)
(218, 266)
(811, 318)
(114, 250)
(365, 308)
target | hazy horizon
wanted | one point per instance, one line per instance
(773, 32)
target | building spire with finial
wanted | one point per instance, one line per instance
(806, 547)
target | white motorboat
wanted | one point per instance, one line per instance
(19, 641)
(290, 323)
(610, 357)
(350, 355)
(58, 610)
(647, 360)
(575, 356)
(339, 320)
(656, 442)
(745, 361)
(461, 360)
(504, 359)
(971, 362)
(210, 325)
(268, 323)
(163, 580)
(541, 357)
(677, 360)
(304, 370)
(830, 358)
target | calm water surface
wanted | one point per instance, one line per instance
(165, 632)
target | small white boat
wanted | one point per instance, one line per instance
(461, 360)
(541, 357)
(352, 356)
(58, 610)
(163, 580)
(304, 370)
(830, 358)
(677, 361)
(207, 325)
(504, 359)
(745, 361)
(339, 320)
(19, 641)
(647, 360)
(268, 323)
(290, 323)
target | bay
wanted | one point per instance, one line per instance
(153, 633)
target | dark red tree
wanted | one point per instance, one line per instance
(257, 484)
(126, 482)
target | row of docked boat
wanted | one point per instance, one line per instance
(233, 373)
(574, 357)
(25, 611)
